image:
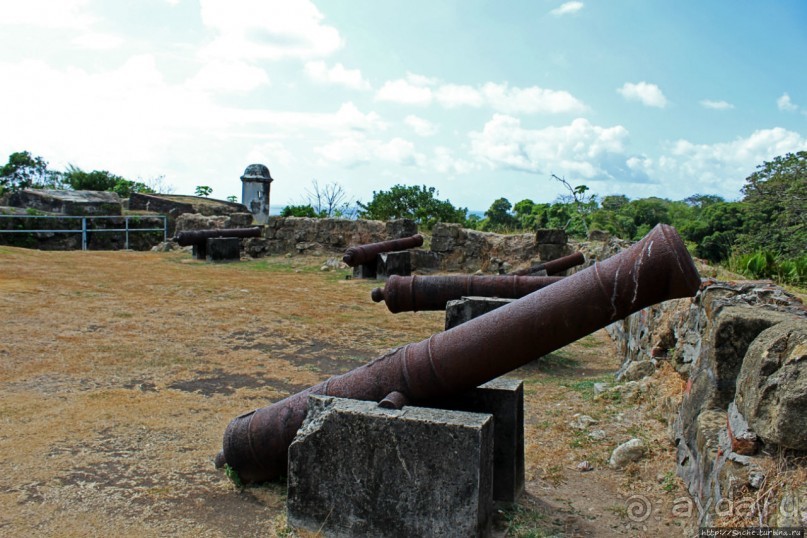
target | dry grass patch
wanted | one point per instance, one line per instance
(119, 372)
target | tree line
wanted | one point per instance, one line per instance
(764, 234)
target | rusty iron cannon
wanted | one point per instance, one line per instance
(361, 254)
(198, 238)
(655, 269)
(553, 267)
(414, 293)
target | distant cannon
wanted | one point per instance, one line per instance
(655, 269)
(553, 267)
(198, 238)
(414, 293)
(361, 254)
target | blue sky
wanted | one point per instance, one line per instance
(479, 99)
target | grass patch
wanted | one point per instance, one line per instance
(556, 363)
(522, 522)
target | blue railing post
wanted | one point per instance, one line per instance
(83, 233)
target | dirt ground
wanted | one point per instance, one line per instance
(119, 372)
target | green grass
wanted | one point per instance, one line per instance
(521, 522)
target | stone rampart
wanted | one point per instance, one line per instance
(741, 349)
(302, 235)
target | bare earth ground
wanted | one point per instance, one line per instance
(119, 372)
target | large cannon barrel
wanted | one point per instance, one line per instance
(355, 256)
(655, 269)
(553, 267)
(194, 237)
(414, 293)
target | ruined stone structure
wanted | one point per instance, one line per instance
(742, 350)
(64, 202)
(255, 186)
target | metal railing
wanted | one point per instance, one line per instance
(85, 230)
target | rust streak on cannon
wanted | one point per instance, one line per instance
(196, 237)
(414, 293)
(553, 267)
(655, 269)
(358, 255)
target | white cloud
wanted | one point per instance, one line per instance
(271, 152)
(567, 9)
(716, 105)
(420, 126)
(455, 95)
(413, 90)
(531, 100)
(318, 71)
(357, 149)
(268, 29)
(579, 149)
(647, 94)
(690, 168)
(444, 162)
(229, 77)
(98, 41)
(46, 13)
(784, 103)
(419, 90)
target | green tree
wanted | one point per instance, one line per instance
(614, 202)
(646, 213)
(97, 180)
(24, 171)
(102, 180)
(498, 216)
(776, 207)
(419, 203)
(203, 190)
(301, 211)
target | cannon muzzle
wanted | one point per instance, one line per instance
(414, 293)
(553, 267)
(655, 269)
(355, 256)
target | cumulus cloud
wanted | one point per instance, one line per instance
(357, 150)
(716, 105)
(687, 167)
(567, 9)
(418, 90)
(421, 126)
(413, 90)
(47, 14)
(268, 29)
(579, 149)
(456, 95)
(229, 76)
(647, 94)
(444, 162)
(531, 100)
(784, 103)
(318, 71)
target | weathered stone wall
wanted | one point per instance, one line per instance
(302, 235)
(63, 202)
(173, 206)
(742, 350)
(467, 250)
(96, 239)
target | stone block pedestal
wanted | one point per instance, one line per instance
(467, 308)
(221, 249)
(394, 263)
(356, 469)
